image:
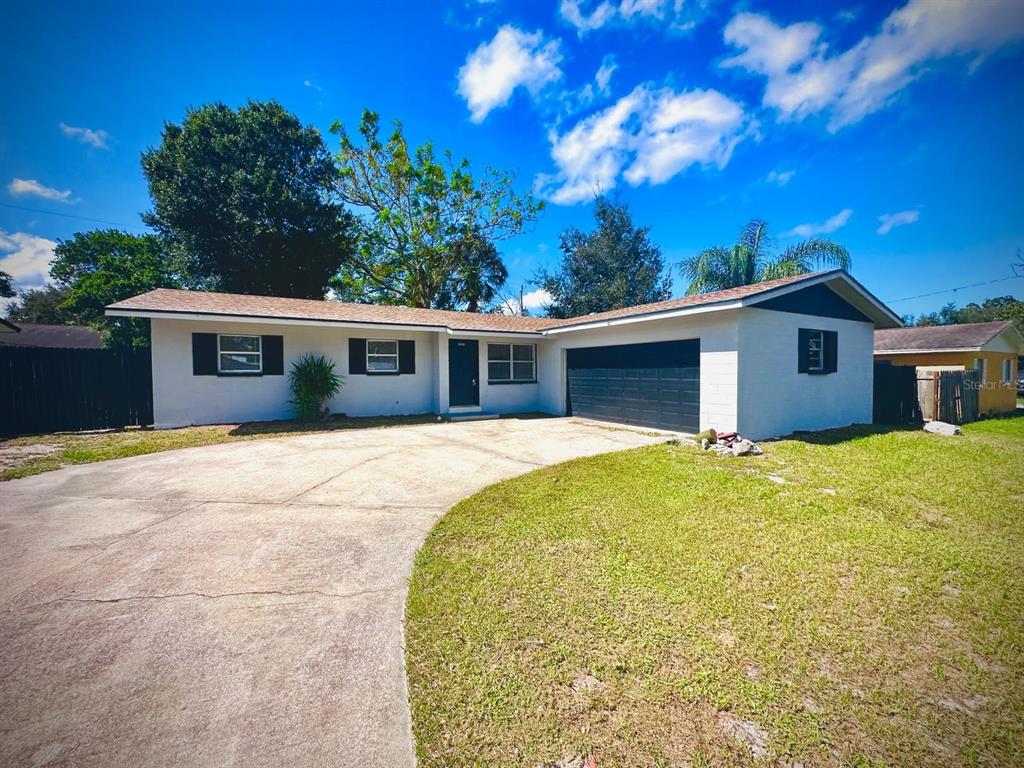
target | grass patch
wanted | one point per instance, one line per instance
(664, 607)
(24, 456)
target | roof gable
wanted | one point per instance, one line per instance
(817, 299)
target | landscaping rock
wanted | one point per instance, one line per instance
(942, 428)
(744, 447)
(708, 434)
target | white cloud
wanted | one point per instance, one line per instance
(831, 224)
(32, 188)
(603, 78)
(892, 220)
(804, 77)
(95, 138)
(575, 101)
(676, 15)
(646, 136)
(537, 299)
(513, 58)
(314, 86)
(26, 258)
(779, 178)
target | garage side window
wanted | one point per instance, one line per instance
(239, 354)
(818, 351)
(511, 363)
(1007, 371)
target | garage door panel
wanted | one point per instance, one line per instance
(655, 385)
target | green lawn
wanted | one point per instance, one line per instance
(664, 607)
(23, 456)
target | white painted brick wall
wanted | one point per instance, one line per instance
(179, 398)
(775, 400)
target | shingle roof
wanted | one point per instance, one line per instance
(35, 335)
(924, 338)
(230, 304)
(695, 300)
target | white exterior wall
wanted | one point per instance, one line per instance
(717, 332)
(494, 398)
(775, 400)
(748, 372)
(179, 398)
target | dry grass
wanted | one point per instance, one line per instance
(24, 456)
(666, 607)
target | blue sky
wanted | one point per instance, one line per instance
(893, 128)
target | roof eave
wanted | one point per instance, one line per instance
(224, 317)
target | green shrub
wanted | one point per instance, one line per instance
(313, 382)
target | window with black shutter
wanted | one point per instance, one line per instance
(818, 351)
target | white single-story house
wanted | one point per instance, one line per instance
(763, 360)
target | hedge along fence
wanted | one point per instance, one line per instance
(56, 390)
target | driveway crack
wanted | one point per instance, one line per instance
(213, 596)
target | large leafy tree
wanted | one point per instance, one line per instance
(753, 259)
(6, 286)
(616, 265)
(426, 225)
(97, 268)
(42, 305)
(243, 199)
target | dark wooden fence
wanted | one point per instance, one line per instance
(56, 390)
(950, 396)
(896, 394)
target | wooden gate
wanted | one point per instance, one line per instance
(55, 390)
(950, 396)
(895, 396)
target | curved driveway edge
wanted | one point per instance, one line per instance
(237, 604)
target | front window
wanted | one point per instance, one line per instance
(1007, 371)
(507, 363)
(381, 356)
(239, 354)
(815, 351)
(979, 366)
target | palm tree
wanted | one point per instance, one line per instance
(752, 260)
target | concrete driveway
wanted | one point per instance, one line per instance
(237, 604)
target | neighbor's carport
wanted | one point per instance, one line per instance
(649, 385)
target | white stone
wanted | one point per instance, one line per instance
(942, 428)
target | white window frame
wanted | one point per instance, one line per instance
(511, 364)
(220, 354)
(1007, 371)
(373, 371)
(811, 334)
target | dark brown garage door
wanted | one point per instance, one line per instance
(648, 385)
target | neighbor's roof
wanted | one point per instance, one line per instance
(166, 301)
(935, 338)
(35, 335)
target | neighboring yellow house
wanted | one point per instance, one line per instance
(990, 347)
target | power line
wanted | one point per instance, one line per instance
(71, 216)
(958, 288)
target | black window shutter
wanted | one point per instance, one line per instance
(204, 354)
(273, 355)
(356, 356)
(803, 364)
(406, 356)
(831, 339)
